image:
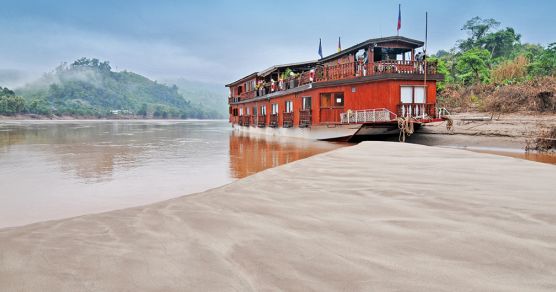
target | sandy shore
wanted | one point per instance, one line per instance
(373, 217)
(485, 129)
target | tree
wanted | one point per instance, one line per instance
(143, 111)
(40, 106)
(441, 68)
(544, 63)
(501, 43)
(6, 92)
(477, 28)
(441, 53)
(93, 63)
(473, 66)
(11, 104)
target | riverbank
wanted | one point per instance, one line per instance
(375, 216)
(487, 130)
(20, 117)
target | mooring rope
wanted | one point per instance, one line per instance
(449, 125)
(406, 127)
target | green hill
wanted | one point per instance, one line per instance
(88, 87)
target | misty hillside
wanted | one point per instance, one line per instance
(88, 87)
(203, 94)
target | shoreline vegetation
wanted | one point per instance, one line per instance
(358, 220)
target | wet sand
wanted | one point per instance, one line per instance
(376, 216)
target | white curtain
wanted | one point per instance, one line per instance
(420, 94)
(407, 94)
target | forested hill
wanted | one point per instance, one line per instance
(89, 87)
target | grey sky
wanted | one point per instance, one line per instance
(219, 41)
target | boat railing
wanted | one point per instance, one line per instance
(273, 121)
(287, 120)
(342, 71)
(367, 116)
(261, 121)
(246, 120)
(359, 69)
(305, 118)
(417, 110)
(247, 95)
(443, 112)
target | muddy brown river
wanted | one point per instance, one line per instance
(58, 169)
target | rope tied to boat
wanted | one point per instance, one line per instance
(449, 125)
(405, 124)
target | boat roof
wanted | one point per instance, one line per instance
(411, 42)
(254, 74)
(271, 69)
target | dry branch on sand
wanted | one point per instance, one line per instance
(545, 140)
(538, 95)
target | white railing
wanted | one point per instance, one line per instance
(442, 112)
(367, 116)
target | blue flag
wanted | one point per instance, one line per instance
(399, 18)
(320, 48)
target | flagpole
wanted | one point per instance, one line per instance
(425, 49)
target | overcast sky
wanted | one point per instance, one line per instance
(220, 41)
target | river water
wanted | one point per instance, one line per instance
(51, 170)
(57, 169)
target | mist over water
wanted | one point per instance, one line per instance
(58, 169)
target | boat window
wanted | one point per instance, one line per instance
(420, 96)
(339, 99)
(289, 106)
(406, 94)
(306, 103)
(413, 94)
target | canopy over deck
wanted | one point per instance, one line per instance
(396, 43)
(301, 66)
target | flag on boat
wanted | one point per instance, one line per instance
(320, 48)
(399, 17)
(339, 45)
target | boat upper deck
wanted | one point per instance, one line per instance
(374, 59)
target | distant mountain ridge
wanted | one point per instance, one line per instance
(89, 87)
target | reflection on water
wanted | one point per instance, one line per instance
(58, 169)
(251, 154)
(517, 153)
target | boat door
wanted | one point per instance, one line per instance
(331, 106)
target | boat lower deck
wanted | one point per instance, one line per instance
(315, 132)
